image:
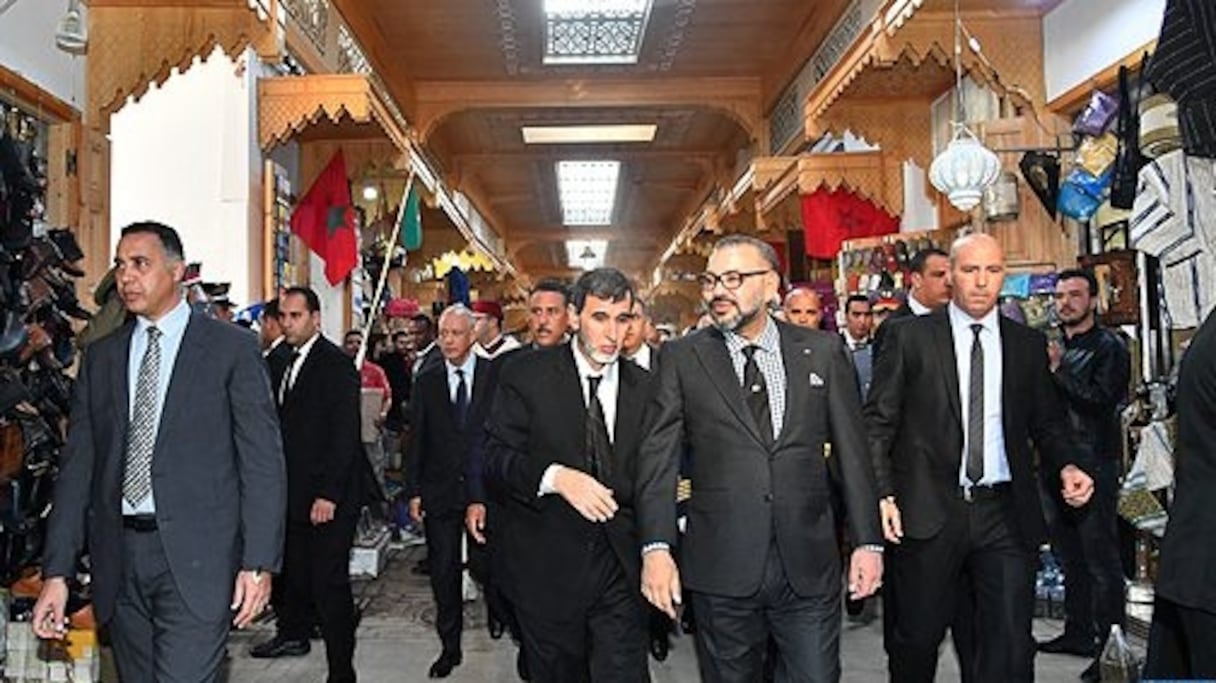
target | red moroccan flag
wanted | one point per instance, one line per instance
(325, 221)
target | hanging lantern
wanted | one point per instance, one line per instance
(1001, 199)
(964, 170)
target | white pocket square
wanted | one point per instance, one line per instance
(816, 380)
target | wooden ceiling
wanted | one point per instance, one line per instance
(469, 74)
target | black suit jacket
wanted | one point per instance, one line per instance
(914, 423)
(538, 419)
(441, 452)
(217, 468)
(1188, 554)
(744, 491)
(321, 442)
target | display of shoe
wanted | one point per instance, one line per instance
(279, 646)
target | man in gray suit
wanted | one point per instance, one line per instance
(174, 470)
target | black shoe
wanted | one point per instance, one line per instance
(315, 632)
(1091, 674)
(279, 646)
(1067, 644)
(659, 647)
(496, 627)
(521, 666)
(444, 665)
(854, 607)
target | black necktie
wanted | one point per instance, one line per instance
(285, 385)
(461, 405)
(975, 410)
(756, 391)
(598, 446)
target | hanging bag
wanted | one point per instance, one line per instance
(1129, 159)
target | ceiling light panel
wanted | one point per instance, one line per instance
(586, 254)
(587, 191)
(557, 135)
(594, 31)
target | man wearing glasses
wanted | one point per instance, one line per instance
(756, 400)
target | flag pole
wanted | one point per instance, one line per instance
(388, 257)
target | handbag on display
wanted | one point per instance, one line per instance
(1097, 155)
(1129, 159)
(1097, 115)
(1042, 173)
(1082, 193)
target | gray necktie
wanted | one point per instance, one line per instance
(141, 433)
(975, 410)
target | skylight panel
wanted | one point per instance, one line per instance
(587, 191)
(594, 31)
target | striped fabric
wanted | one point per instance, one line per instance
(1184, 66)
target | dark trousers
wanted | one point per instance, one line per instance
(444, 532)
(605, 643)
(733, 632)
(155, 636)
(317, 575)
(1087, 539)
(980, 547)
(485, 564)
(1181, 642)
(962, 626)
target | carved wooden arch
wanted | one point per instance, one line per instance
(289, 106)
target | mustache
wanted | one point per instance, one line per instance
(722, 299)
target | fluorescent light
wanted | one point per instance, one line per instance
(552, 135)
(587, 190)
(586, 254)
(594, 31)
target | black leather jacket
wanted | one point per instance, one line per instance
(1093, 378)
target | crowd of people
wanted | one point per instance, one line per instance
(605, 483)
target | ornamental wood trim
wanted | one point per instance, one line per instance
(863, 173)
(289, 105)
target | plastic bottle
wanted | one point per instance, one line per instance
(1118, 664)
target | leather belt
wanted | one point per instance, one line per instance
(988, 492)
(139, 523)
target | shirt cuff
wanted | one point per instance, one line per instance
(657, 545)
(872, 547)
(546, 481)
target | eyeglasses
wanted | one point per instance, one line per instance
(731, 279)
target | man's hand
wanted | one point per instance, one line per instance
(661, 581)
(322, 512)
(1055, 353)
(1077, 486)
(48, 617)
(249, 596)
(892, 522)
(584, 493)
(475, 521)
(865, 573)
(416, 512)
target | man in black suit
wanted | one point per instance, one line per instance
(928, 289)
(960, 500)
(562, 438)
(448, 417)
(173, 471)
(270, 332)
(757, 401)
(318, 394)
(1182, 641)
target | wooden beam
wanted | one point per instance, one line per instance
(1073, 99)
(560, 233)
(35, 98)
(556, 153)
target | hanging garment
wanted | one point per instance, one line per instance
(1184, 66)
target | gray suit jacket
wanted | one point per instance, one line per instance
(217, 468)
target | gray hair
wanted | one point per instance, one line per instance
(458, 309)
(739, 240)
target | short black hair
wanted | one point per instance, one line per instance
(552, 284)
(856, 299)
(1084, 274)
(740, 240)
(602, 283)
(422, 318)
(271, 309)
(352, 331)
(399, 334)
(169, 239)
(310, 297)
(917, 264)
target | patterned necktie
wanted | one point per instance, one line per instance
(285, 384)
(141, 433)
(598, 445)
(975, 410)
(756, 392)
(461, 405)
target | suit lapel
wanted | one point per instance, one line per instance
(190, 357)
(797, 380)
(943, 339)
(481, 381)
(570, 393)
(629, 407)
(711, 351)
(1007, 375)
(120, 379)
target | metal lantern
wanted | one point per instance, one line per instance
(1001, 199)
(964, 170)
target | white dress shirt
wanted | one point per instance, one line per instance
(172, 328)
(468, 368)
(607, 391)
(996, 463)
(273, 345)
(642, 357)
(917, 307)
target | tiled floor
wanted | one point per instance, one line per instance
(397, 644)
